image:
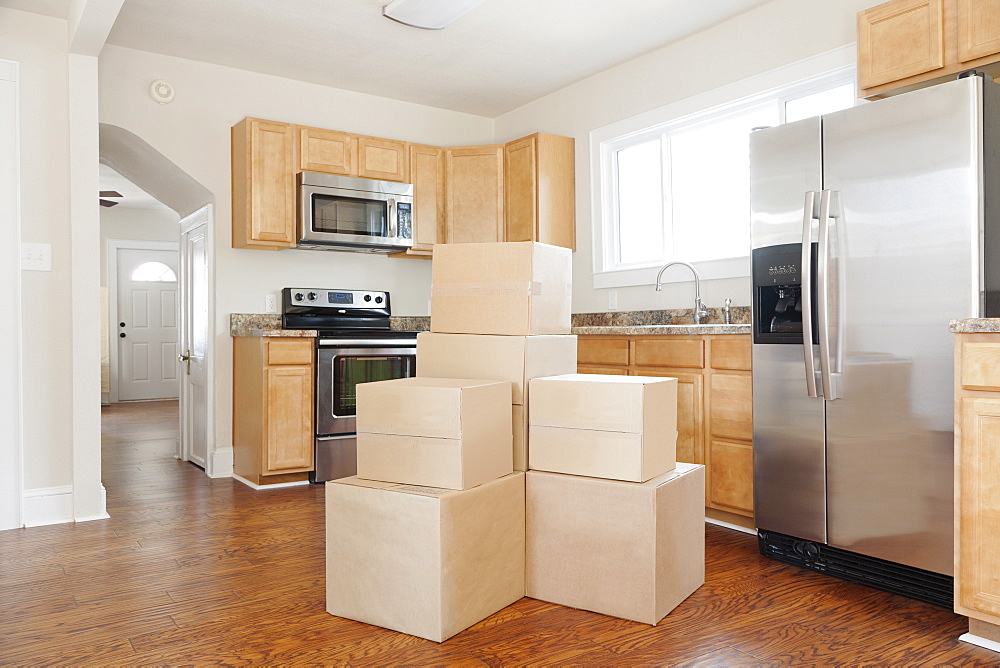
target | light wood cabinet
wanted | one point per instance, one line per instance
(327, 151)
(264, 191)
(977, 461)
(475, 192)
(714, 403)
(383, 159)
(540, 190)
(426, 172)
(906, 44)
(272, 409)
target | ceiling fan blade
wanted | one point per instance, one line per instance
(107, 202)
(109, 193)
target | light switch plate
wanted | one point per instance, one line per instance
(270, 303)
(612, 300)
(36, 257)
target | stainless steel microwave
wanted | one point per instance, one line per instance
(347, 213)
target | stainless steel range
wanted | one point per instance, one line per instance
(355, 344)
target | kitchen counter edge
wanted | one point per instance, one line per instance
(974, 326)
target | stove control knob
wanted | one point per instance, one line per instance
(311, 296)
(378, 300)
(298, 296)
(368, 298)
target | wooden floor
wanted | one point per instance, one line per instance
(198, 571)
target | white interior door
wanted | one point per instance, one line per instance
(194, 342)
(10, 304)
(147, 324)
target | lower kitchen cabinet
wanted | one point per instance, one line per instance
(977, 460)
(273, 431)
(714, 407)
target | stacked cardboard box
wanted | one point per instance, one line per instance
(614, 524)
(428, 539)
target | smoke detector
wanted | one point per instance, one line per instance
(161, 91)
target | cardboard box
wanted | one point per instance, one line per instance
(439, 432)
(619, 427)
(519, 419)
(629, 550)
(514, 358)
(423, 561)
(517, 288)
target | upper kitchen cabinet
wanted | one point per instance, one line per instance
(540, 190)
(382, 159)
(327, 151)
(264, 160)
(475, 194)
(906, 44)
(426, 171)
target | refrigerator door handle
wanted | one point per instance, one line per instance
(826, 215)
(809, 213)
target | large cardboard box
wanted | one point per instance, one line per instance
(516, 288)
(438, 432)
(630, 550)
(619, 427)
(519, 419)
(423, 561)
(514, 358)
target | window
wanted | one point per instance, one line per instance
(154, 272)
(680, 189)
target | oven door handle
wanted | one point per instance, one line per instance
(377, 343)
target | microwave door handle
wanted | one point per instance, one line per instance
(393, 223)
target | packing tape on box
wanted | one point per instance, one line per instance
(423, 491)
(494, 289)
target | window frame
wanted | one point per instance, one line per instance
(775, 87)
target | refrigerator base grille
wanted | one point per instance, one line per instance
(888, 576)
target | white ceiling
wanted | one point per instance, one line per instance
(133, 197)
(499, 56)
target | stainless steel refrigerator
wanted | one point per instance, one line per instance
(871, 229)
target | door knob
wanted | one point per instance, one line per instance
(185, 357)
(122, 335)
(121, 324)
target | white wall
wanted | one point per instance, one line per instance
(769, 37)
(39, 44)
(194, 132)
(136, 224)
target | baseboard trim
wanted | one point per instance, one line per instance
(47, 505)
(277, 485)
(221, 463)
(980, 641)
(103, 515)
(730, 525)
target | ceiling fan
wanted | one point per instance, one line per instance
(108, 193)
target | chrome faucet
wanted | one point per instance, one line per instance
(699, 308)
(727, 311)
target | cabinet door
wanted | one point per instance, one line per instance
(731, 406)
(899, 39)
(690, 412)
(383, 159)
(263, 154)
(521, 189)
(731, 475)
(474, 194)
(289, 402)
(327, 151)
(978, 29)
(978, 539)
(427, 175)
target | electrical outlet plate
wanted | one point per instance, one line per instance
(612, 300)
(270, 303)
(36, 257)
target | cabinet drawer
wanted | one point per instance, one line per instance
(731, 405)
(731, 353)
(289, 351)
(602, 351)
(686, 353)
(981, 366)
(603, 370)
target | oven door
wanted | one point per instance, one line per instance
(339, 370)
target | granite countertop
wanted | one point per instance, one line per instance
(975, 326)
(620, 323)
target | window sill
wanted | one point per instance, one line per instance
(737, 267)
